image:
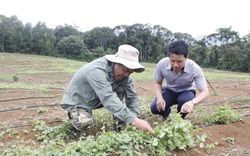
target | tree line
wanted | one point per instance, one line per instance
(224, 49)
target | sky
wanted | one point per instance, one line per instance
(195, 17)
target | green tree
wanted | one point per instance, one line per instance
(99, 37)
(245, 65)
(232, 58)
(199, 53)
(43, 39)
(72, 47)
(18, 28)
(224, 36)
(213, 56)
(27, 44)
(5, 30)
(65, 31)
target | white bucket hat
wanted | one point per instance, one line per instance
(127, 55)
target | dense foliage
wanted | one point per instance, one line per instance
(177, 134)
(170, 135)
(222, 50)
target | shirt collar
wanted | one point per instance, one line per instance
(110, 69)
(169, 67)
(187, 66)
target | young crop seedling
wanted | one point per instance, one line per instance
(223, 115)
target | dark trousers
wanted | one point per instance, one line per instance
(171, 98)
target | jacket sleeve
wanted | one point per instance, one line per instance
(131, 98)
(98, 80)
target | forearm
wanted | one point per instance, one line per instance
(133, 105)
(158, 89)
(202, 96)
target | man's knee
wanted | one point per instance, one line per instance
(154, 109)
(80, 118)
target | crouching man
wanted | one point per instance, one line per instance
(106, 82)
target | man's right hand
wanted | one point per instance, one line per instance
(142, 125)
(160, 104)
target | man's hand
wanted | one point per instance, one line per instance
(142, 125)
(161, 104)
(187, 107)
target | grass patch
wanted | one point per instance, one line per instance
(5, 77)
(34, 64)
(213, 74)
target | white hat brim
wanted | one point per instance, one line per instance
(127, 63)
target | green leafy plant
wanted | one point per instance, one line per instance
(11, 131)
(130, 141)
(1, 135)
(229, 140)
(15, 77)
(52, 134)
(176, 134)
(224, 115)
(201, 141)
(42, 110)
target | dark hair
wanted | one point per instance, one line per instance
(178, 47)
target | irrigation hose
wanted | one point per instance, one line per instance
(229, 98)
(35, 97)
(32, 106)
(56, 104)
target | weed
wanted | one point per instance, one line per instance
(42, 110)
(15, 77)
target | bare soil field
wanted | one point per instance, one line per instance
(20, 107)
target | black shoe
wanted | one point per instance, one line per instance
(118, 124)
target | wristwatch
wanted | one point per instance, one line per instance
(194, 102)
